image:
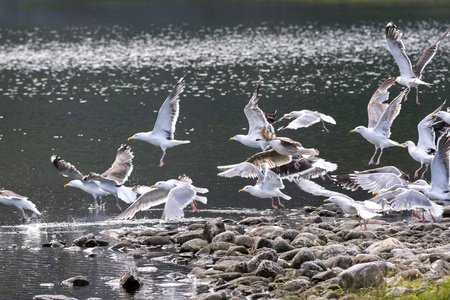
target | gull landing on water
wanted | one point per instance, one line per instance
(409, 76)
(163, 132)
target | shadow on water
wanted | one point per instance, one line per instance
(77, 80)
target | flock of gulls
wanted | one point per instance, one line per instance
(281, 158)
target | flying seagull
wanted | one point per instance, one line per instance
(410, 76)
(21, 202)
(381, 116)
(175, 193)
(163, 132)
(306, 118)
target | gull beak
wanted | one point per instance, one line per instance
(286, 116)
(353, 130)
(403, 144)
(394, 192)
(241, 190)
(130, 138)
(153, 186)
(231, 139)
(66, 185)
(326, 200)
(433, 115)
(376, 193)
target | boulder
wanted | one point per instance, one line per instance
(268, 269)
(226, 236)
(303, 255)
(154, 240)
(83, 239)
(193, 245)
(213, 228)
(244, 240)
(280, 245)
(130, 281)
(361, 276)
(385, 246)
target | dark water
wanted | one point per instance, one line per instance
(78, 79)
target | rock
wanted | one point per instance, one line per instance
(240, 267)
(323, 276)
(267, 231)
(130, 281)
(440, 268)
(412, 274)
(312, 220)
(436, 256)
(289, 255)
(335, 250)
(91, 243)
(54, 244)
(53, 297)
(213, 228)
(216, 246)
(358, 234)
(154, 240)
(343, 262)
(263, 254)
(261, 242)
(268, 269)
(290, 234)
(361, 276)
(210, 296)
(311, 268)
(254, 221)
(280, 245)
(226, 236)
(227, 264)
(83, 239)
(183, 237)
(303, 255)
(365, 258)
(193, 245)
(385, 246)
(244, 240)
(76, 281)
(238, 249)
(296, 285)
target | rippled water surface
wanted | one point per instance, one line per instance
(80, 90)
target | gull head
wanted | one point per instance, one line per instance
(409, 144)
(246, 188)
(139, 136)
(357, 129)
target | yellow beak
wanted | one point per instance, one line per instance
(231, 139)
(353, 130)
(287, 116)
(433, 115)
(130, 138)
(376, 193)
(326, 200)
(66, 185)
(241, 190)
(153, 186)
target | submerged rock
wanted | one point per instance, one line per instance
(130, 281)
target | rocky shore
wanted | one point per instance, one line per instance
(312, 253)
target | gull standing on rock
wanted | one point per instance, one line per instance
(162, 134)
(175, 193)
(257, 121)
(409, 76)
(21, 202)
(381, 116)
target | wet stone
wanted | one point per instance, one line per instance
(53, 297)
(213, 228)
(130, 281)
(76, 281)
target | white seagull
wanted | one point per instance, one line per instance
(306, 118)
(268, 185)
(175, 193)
(365, 210)
(409, 76)
(381, 116)
(163, 132)
(112, 180)
(68, 170)
(426, 147)
(21, 202)
(257, 121)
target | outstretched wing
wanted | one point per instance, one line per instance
(147, 200)
(376, 105)
(122, 165)
(397, 49)
(66, 169)
(178, 198)
(389, 115)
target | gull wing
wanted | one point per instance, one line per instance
(169, 111)
(426, 132)
(440, 168)
(121, 167)
(178, 198)
(376, 107)
(255, 116)
(389, 115)
(409, 199)
(271, 180)
(363, 210)
(428, 55)
(147, 200)
(304, 120)
(306, 168)
(397, 49)
(66, 169)
(313, 188)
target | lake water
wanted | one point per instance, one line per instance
(77, 80)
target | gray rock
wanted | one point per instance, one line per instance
(216, 246)
(55, 244)
(261, 242)
(263, 254)
(210, 296)
(213, 228)
(290, 234)
(303, 255)
(343, 262)
(296, 285)
(52, 297)
(183, 237)
(193, 245)
(440, 268)
(154, 240)
(130, 281)
(226, 236)
(361, 276)
(268, 269)
(323, 276)
(240, 267)
(335, 250)
(244, 240)
(267, 231)
(238, 249)
(412, 274)
(289, 255)
(311, 268)
(83, 239)
(227, 264)
(280, 245)
(254, 221)
(76, 281)
(386, 246)
(146, 232)
(358, 234)
(436, 256)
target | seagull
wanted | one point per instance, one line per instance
(438, 189)
(365, 210)
(286, 146)
(164, 129)
(175, 193)
(381, 116)
(306, 118)
(373, 180)
(21, 202)
(68, 170)
(409, 76)
(268, 185)
(112, 180)
(257, 121)
(306, 168)
(426, 147)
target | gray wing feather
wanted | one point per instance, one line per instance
(428, 55)
(178, 198)
(145, 201)
(66, 169)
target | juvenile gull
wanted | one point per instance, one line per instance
(21, 202)
(381, 116)
(163, 132)
(287, 146)
(257, 121)
(175, 193)
(426, 147)
(112, 180)
(306, 118)
(68, 170)
(268, 185)
(365, 210)
(409, 76)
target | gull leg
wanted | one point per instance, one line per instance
(326, 129)
(423, 215)
(434, 220)
(373, 156)
(406, 96)
(117, 204)
(359, 219)
(322, 177)
(414, 213)
(279, 203)
(365, 226)
(379, 156)
(426, 168)
(273, 205)
(297, 164)
(417, 172)
(417, 95)
(25, 217)
(194, 207)
(161, 162)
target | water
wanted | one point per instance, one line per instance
(78, 82)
